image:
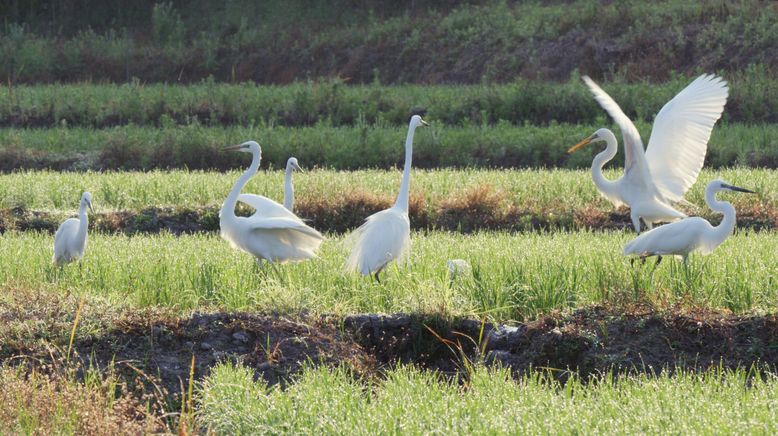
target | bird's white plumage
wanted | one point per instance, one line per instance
(635, 166)
(679, 138)
(71, 236)
(385, 236)
(655, 178)
(690, 234)
(272, 232)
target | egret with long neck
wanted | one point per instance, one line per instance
(70, 239)
(659, 176)
(273, 233)
(291, 166)
(689, 234)
(385, 236)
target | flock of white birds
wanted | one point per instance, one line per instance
(655, 180)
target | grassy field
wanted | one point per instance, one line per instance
(349, 147)
(332, 402)
(516, 276)
(541, 189)
(752, 93)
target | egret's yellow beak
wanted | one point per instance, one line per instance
(580, 144)
(232, 147)
(424, 123)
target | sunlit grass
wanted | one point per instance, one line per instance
(409, 401)
(516, 276)
(563, 190)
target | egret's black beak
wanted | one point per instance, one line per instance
(89, 203)
(738, 189)
(233, 147)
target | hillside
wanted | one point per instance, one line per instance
(389, 42)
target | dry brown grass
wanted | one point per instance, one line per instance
(480, 207)
(37, 403)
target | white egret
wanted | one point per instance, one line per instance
(272, 233)
(689, 234)
(291, 165)
(386, 236)
(661, 175)
(70, 239)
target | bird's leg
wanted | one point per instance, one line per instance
(377, 278)
(658, 261)
(635, 220)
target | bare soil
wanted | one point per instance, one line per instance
(587, 342)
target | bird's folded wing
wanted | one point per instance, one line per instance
(280, 223)
(266, 207)
(679, 138)
(634, 154)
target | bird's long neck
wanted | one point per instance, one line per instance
(288, 190)
(722, 231)
(402, 196)
(83, 222)
(228, 208)
(605, 156)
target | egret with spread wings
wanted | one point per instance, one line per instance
(273, 232)
(656, 178)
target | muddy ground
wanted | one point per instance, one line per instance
(588, 341)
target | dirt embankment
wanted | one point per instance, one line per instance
(588, 342)
(466, 214)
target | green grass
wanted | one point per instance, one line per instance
(421, 41)
(752, 93)
(349, 147)
(560, 190)
(516, 276)
(410, 401)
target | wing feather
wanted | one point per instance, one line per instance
(635, 165)
(679, 138)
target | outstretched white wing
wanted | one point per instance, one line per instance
(679, 138)
(270, 215)
(634, 156)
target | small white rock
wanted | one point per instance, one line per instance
(458, 267)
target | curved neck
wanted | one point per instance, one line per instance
(402, 196)
(288, 190)
(605, 156)
(83, 223)
(228, 208)
(727, 224)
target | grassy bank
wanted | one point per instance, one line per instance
(348, 147)
(752, 93)
(392, 42)
(517, 276)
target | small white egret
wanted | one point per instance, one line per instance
(661, 175)
(70, 239)
(272, 233)
(458, 267)
(386, 236)
(689, 234)
(291, 165)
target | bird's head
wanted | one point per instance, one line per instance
(246, 147)
(597, 136)
(416, 121)
(86, 200)
(292, 164)
(720, 184)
